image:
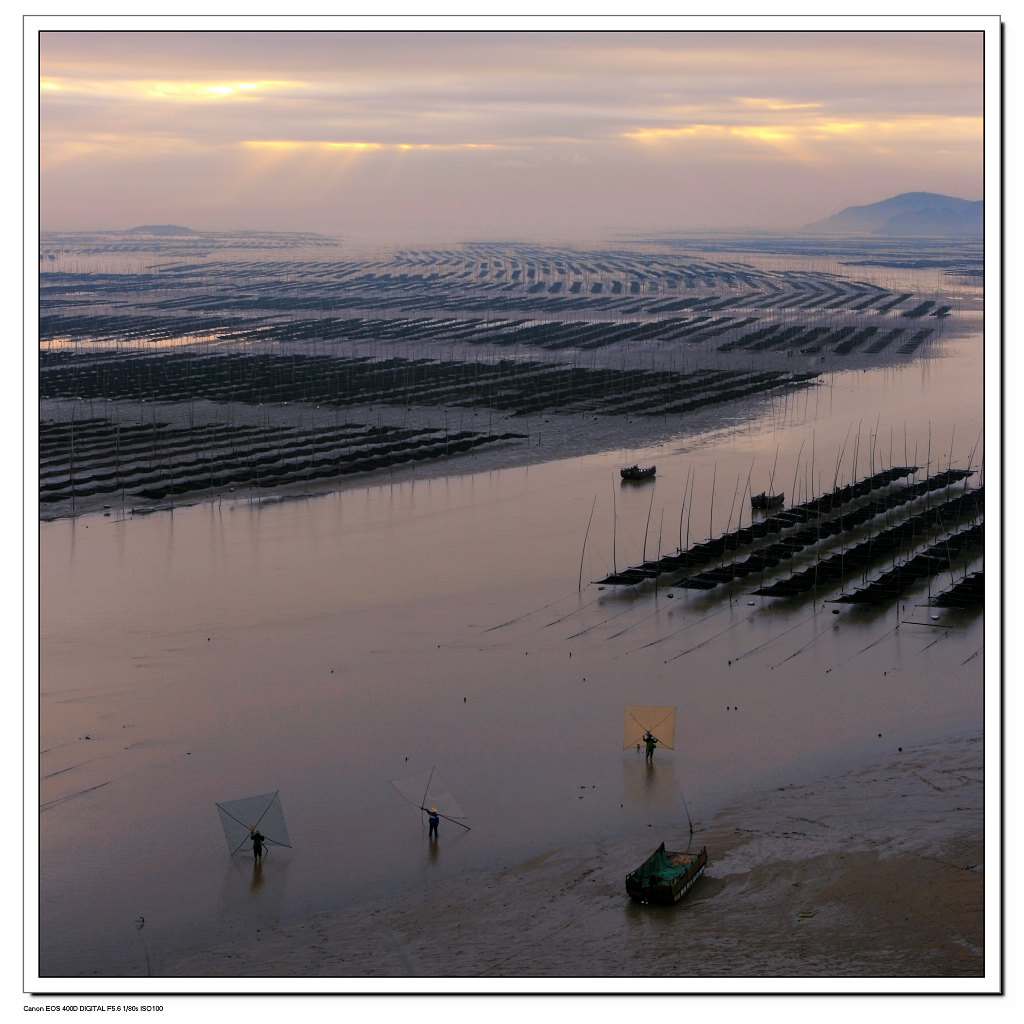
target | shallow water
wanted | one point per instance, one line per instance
(322, 647)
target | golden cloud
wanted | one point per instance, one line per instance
(284, 145)
(178, 91)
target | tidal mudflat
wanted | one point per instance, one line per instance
(179, 370)
(320, 636)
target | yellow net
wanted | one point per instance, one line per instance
(644, 718)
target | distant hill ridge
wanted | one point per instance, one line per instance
(162, 229)
(910, 215)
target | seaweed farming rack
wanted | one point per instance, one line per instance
(838, 518)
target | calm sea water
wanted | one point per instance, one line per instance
(323, 647)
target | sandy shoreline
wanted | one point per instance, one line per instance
(877, 873)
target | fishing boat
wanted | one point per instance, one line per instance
(665, 877)
(765, 501)
(634, 472)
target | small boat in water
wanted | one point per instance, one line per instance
(765, 501)
(665, 877)
(634, 472)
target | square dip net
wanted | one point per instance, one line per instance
(262, 813)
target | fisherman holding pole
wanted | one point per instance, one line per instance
(257, 844)
(434, 819)
(651, 741)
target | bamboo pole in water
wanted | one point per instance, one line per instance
(732, 506)
(796, 469)
(856, 452)
(682, 507)
(585, 535)
(657, 574)
(71, 465)
(648, 526)
(747, 489)
(689, 512)
(615, 523)
(711, 512)
(835, 478)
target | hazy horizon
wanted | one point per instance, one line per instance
(564, 137)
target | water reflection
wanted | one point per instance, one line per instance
(283, 642)
(650, 786)
(257, 887)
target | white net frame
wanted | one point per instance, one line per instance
(262, 812)
(427, 792)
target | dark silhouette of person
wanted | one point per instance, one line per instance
(651, 741)
(434, 820)
(258, 844)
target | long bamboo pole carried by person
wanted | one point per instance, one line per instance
(428, 793)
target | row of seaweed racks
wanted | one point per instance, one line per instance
(700, 556)
(902, 537)
(936, 559)
(854, 554)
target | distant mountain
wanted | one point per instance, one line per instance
(162, 229)
(910, 215)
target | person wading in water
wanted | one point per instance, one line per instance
(651, 741)
(257, 844)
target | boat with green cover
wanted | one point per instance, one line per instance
(666, 876)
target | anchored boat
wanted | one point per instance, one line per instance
(636, 473)
(764, 501)
(665, 876)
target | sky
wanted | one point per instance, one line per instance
(547, 136)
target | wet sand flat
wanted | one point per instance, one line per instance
(832, 879)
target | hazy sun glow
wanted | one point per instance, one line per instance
(767, 103)
(199, 91)
(162, 89)
(762, 132)
(298, 145)
(816, 129)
